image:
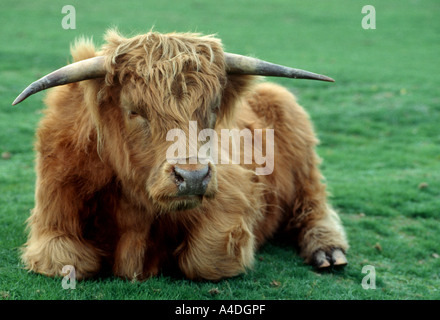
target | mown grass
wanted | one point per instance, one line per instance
(378, 126)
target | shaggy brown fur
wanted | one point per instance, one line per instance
(104, 197)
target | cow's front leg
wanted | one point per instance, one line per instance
(56, 237)
(217, 249)
(130, 252)
(50, 251)
(322, 239)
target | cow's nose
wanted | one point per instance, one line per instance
(191, 182)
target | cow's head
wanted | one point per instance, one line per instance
(147, 86)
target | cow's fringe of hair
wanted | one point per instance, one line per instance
(156, 48)
(157, 60)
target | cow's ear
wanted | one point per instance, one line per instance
(82, 48)
(113, 39)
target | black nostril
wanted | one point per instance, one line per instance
(192, 182)
(178, 178)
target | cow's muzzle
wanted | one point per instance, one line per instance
(192, 179)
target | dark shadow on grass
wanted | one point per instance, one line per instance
(286, 243)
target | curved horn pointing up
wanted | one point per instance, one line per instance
(237, 64)
(78, 71)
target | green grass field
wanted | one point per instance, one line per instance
(379, 126)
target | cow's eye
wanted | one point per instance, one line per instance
(133, 114)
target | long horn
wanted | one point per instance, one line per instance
(237, 64)
(81, 70)
(94, 68)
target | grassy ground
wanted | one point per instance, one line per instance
(378, 126)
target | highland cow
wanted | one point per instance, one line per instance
(108, 199)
